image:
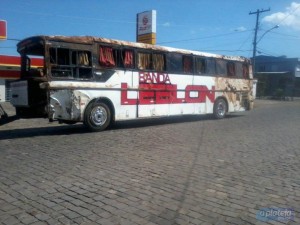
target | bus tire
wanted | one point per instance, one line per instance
(220, 108)
(97, 116)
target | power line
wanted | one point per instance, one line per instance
(8, 47)
(13, 39)
(266, 52)
(289, 14)
(205, 37)
(223, 50)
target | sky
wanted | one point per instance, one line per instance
(215, 26)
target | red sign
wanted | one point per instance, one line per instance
(156, 88)
(3, 31)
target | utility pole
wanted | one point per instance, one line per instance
(255, 34)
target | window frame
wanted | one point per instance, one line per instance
(71, 69)
(151, 60)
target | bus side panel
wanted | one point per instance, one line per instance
(208, 82)
(237, 92)
(19, 93)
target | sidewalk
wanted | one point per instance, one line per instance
(9, 109)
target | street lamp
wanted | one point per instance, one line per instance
(266, 33)
(255, 44)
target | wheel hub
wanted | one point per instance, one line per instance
(98, 115)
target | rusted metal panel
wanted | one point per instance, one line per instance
(92, 40)
(68, 104)
(238, 92)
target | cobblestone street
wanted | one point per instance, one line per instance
(179, 170)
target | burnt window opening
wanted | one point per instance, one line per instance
(32, 60)
(81, 58)
(32, 65)
(67, 63)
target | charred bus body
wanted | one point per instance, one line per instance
(97, 81)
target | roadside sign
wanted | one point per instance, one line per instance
(146, 27)
(3, 30)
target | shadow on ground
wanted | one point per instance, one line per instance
(80, 128)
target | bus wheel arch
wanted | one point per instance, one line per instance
(99, 114)
(220, 107)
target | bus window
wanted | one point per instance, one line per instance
(230, 69)
(200, 66)
(63, 56)
(82, 64)
(60, 62)
(67, 63)
(107, 57)
(81, 58)
(245, 71)
(174, 63)
(211, 66)
(239, 69)
(187, 64)
(158, 62)
(53, 56)
(144, 61)
(221, 67)
(128, 58)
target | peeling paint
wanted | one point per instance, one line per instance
(91, 40)
(67, 104)
(236, 91)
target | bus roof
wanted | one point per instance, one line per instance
(91, 40)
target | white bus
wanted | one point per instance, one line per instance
(98, 81)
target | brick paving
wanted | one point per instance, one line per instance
(180, 170)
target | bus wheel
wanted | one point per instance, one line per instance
(220, 108)
(97, 116)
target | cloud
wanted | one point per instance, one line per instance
(241, 28)
(289, 18)
(167, 24)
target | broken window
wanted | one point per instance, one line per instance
(80, 58)
(68, 63)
